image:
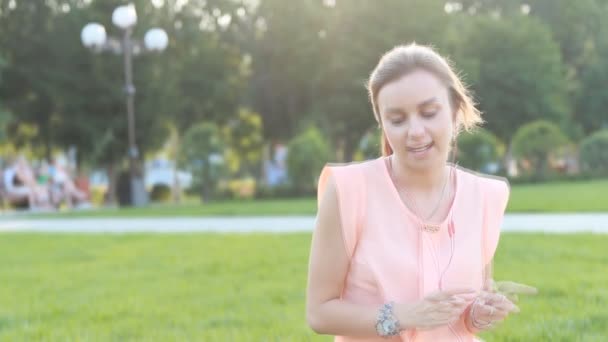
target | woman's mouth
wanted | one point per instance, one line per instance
(420, 149)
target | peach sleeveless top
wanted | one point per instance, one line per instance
(392, 259)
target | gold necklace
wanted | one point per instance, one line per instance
(426, 226)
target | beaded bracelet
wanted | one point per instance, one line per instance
(474, 321)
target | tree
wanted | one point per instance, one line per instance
(578, 43)
(285, 62)
(203, 77)
(244, 138)
(592, 100)
(5, 118)
(27, 80)
(517, 74)
(575, 40)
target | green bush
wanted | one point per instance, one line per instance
(477, 149)
(160, 193)
(534, 144)
(201, 153)
(307, 154)
(594, 154)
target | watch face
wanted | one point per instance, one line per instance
(388, 326)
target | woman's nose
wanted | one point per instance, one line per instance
(416, 128)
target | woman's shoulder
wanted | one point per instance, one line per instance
(347, 178)
(354, 165)
(486, 183)
(353, 170)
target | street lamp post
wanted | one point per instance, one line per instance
(94, 36)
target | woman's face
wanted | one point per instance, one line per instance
(417, 119)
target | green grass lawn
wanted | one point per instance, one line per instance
(301, 206)
(251, 287)
(582, 196)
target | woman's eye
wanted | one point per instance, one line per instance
(396, 122)
(428, 114)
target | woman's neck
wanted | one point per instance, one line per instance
(427, 180)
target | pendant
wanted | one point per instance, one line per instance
(431, 228)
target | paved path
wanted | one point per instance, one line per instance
(550, 223)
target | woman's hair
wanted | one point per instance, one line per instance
(404, 59)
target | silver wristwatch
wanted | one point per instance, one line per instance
(387, 324)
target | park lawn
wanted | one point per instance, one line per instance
(581, 196)
(266, 207)
(251, 287)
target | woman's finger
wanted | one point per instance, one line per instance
(458, 303)
(496, 297)
(486, 310)
(492, 315)
(513, 298)
(443, 308)
(507, 306)
(515, 288)
(449, 294)
(501, 301)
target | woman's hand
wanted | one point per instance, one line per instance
(495, 303)
(437, 309)
(512, 290)
(490, 309)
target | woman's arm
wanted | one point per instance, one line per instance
(326, 313)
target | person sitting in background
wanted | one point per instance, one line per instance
(22, 189)
(64, 188)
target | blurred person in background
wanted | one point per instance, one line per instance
(64, 188)
(22, 188)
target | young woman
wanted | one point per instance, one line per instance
(403, 244)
